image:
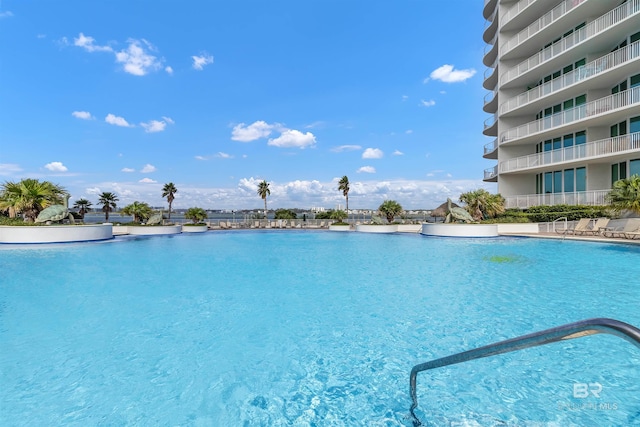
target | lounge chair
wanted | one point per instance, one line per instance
(599, 227)
(632, 234)
(580, 227)
(629, 227)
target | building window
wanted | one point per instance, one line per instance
(634, 167)
(568, 181)
(581, 179)
(634, 124)
(618, 171)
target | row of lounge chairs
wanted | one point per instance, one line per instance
(600, 226)
(225, 225)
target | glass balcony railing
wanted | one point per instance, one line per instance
(544, 21)
(591, 198)
(594, 68)
(601, 148)
(490, 173)
(491, 147)
(599, 106)
(599, 25)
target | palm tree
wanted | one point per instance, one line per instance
(30, 196)
(481, 204)
(626, 194)
(343, 185)
(169, 190)
(263, 192)
(140, 211)
(390, 208)
(196, 215)
(108, 201)
(83, 205)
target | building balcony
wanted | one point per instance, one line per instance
(595, 28)
(491, 174)
(490, 54)
(608, 147)
(600, 107)
(491, 150)
(489, 8)
(490, 102)
(491, 126)
(595, 68)
(490, 27)
(490, 78)
(520, 6)
(538, 25)
(592, 198)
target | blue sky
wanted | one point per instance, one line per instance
(216, 96)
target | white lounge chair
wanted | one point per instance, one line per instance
(629, 227)
(580, 227)
(599, 227)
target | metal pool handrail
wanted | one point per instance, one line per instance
(569, 331)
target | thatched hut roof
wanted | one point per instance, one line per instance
(442, 210)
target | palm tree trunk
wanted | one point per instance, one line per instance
(265, 208)
(169, 210)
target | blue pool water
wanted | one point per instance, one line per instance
(312, 329)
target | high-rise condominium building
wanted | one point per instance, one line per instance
(564, 82)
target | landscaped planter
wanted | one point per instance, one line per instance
(194, 228)
(375, 228)
(516, 228)
(339, 227)
(55, 233)
(153, 230)
(460, 230)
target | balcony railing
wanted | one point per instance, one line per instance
(490, 173)
(515, 10)
(599, 106)
(599, 66)
(489, 122)
(592, 198)
(599, 148)
(593, 28)
(491, 147)
(543, 22)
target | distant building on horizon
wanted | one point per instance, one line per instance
(564, 82)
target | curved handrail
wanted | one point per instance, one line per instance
(569, 331)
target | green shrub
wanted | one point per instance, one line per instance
(571, 212)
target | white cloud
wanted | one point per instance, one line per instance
(256, 130)
(153, 126)
(366, 169)
(87, 43)
(147, 181)
(429, 103)
(448, 74)
(316, 124)
(6, 14)
(224, 155)
(405, 97)
(372, 153)
(200, 61)
(200, 158)
(293, 138)
(56, 167)
(137, 59)
(408, 131)
(398, 153)
(148, 168)
(168, 120)
(83, 115)
(128, 170)
(342, 148)
(169, 70)
(9, 169)
(117, 121)
(443, 92)
(364, 194)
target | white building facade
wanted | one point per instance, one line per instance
(564, 82)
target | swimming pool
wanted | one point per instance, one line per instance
(312, 328)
